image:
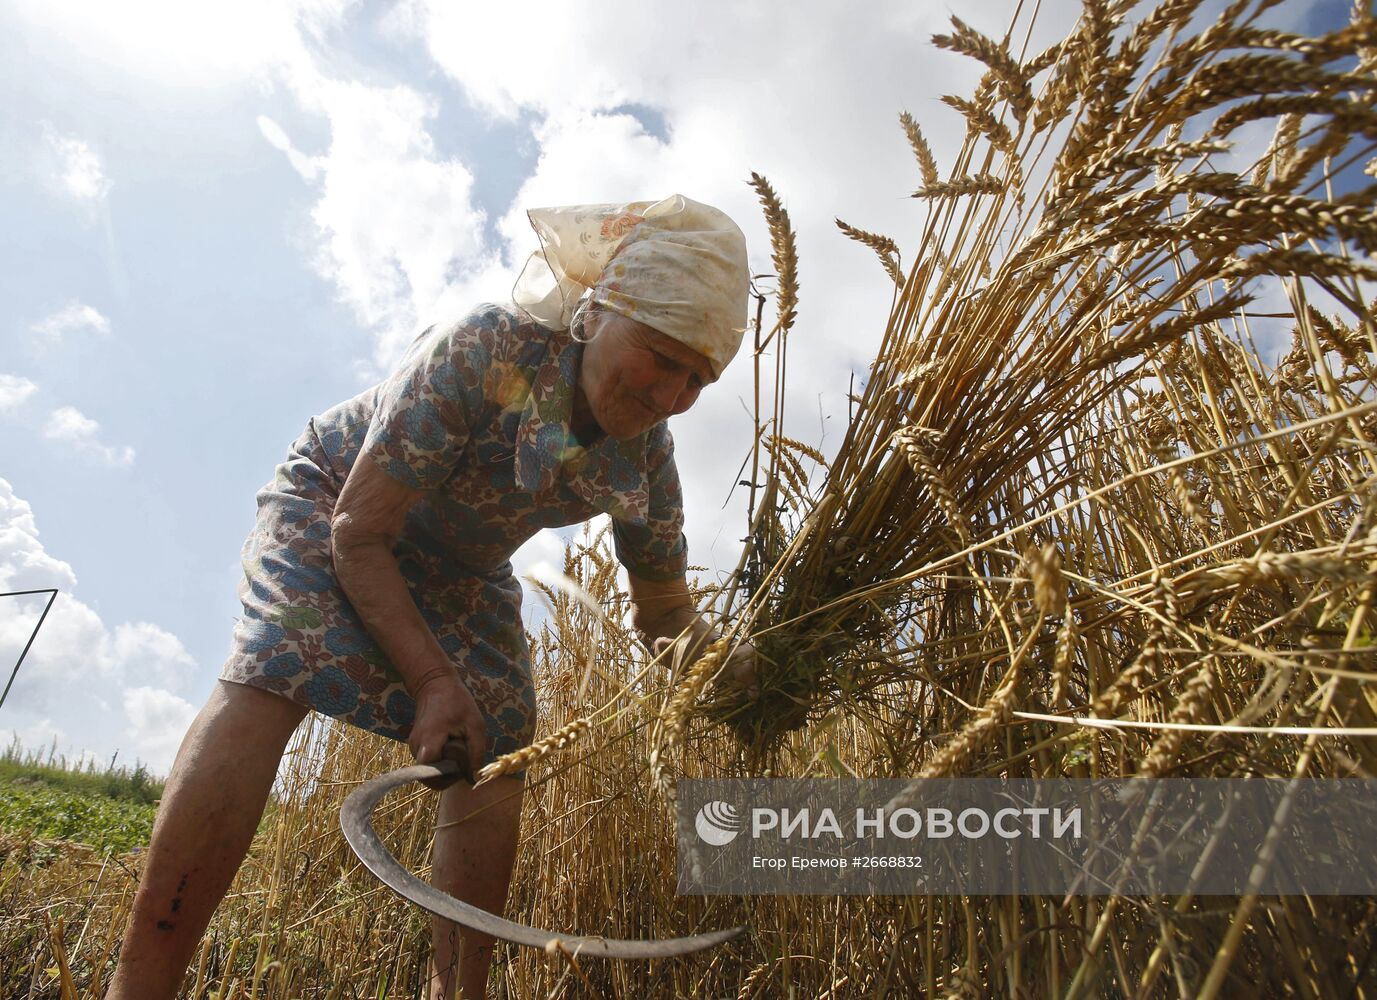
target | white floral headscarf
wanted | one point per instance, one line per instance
(676, 265)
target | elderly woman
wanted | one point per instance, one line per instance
(377, 582)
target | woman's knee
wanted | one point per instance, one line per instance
(265, 714)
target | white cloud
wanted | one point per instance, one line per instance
(306, 166)
(14, 389)
(74, 169)
(41, 735)
(397, 225)
(78, 665)
(158, 720)
(181, 46)
(70, 425)
(74, 317)
(24, 565)
(557, 67)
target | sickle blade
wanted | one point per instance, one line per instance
(356, 820)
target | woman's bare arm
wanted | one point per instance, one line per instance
(662, 609)
(369, 517)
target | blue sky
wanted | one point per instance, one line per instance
(223, 218)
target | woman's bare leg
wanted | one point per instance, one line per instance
(475, 848)
(210, 808)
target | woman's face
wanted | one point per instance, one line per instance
(633, 376)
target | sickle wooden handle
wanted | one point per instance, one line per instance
(456, 752)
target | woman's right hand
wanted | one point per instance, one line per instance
(445, 710)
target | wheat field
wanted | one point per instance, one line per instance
(1103, 508)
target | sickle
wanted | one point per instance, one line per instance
(356, 819)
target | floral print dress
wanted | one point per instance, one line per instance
(477, 415)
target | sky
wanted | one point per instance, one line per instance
(222, 218)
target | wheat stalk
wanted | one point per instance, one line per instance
(525, 757)
(784, 253)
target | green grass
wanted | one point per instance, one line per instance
(109, 807)
(85, 777)
(40, 810)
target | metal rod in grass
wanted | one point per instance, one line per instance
(755, 450)
(52, 596)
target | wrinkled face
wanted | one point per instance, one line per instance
(633, 376)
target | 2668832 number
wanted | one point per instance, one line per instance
(902, 861)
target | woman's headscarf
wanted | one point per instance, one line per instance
(675, 265)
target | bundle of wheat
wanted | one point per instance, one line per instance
(1068, 394)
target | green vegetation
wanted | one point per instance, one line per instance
(45, 796)
(48, 813)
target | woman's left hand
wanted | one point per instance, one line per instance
(741, 670)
